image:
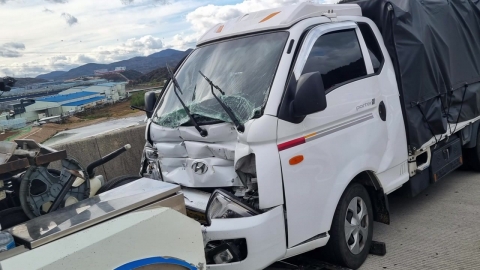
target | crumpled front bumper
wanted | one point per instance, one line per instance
(265, 236)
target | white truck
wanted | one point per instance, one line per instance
(283, 132)
(287, 128)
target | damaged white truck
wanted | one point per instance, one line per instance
(286, 129)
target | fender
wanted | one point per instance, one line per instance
(381, 210)
(360, 169)
(469, 135)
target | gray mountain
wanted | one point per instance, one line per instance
(143, 64)
(51, 75)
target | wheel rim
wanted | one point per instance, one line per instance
(356, 225)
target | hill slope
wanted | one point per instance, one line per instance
(50, 76)
(155, 77)
(142, 64)
(127, 75)
(22, 82)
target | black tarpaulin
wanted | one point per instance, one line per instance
(435, 48)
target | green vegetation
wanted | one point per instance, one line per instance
(95, 115)
(21, 132)
(152, 79)
(138, 100)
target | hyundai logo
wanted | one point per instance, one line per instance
(199, 167)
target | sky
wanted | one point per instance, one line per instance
(40, 36)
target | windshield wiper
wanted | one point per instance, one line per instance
(228, 110)
(176, 86)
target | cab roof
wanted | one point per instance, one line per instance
(276, 18)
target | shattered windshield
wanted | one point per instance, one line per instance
(243, 68)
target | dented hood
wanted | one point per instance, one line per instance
(187, 159)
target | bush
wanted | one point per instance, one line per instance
(138, 99)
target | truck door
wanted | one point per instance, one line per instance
(333, 144)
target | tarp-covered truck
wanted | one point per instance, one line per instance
(286, 129)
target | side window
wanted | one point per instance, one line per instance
(338, 58)
(372, 46)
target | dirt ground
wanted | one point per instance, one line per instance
(7, 134)
(46, 131)
(117, 110)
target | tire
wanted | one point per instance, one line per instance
(351, 252)
(472, 156)
(117, 182)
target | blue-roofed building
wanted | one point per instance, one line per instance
(55, 105)
(83, 102)
(112, 91)
(61, 99)
(75, 99)
(80, 105)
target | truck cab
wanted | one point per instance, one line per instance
(316, 141)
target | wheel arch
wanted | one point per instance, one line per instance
(379, 199)
(470, 135)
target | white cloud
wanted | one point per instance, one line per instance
(147, 42)
(109, 30)
(204, 18)
(129, 2)
(12, 49)
(106, 31)
(142, 46)
(14, 45)
(82, 58)
(182, 41)
(57, 62)
(71, 20)
(57, 1)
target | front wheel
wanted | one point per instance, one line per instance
(352, 228)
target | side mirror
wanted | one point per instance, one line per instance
(150, 101)
(310, 96)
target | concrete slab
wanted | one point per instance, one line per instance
(98, 146)
(438, 229)
(94, 130)
(129, 162)
(84, 151)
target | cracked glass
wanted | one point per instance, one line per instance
(244, 68)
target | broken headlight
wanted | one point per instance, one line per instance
(224, 205)
(150, 163)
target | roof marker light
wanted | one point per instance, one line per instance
(220, 28)
(269, 17)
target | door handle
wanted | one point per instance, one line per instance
(382, 111)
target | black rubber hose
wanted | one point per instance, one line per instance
(91, 167)
(63, 192)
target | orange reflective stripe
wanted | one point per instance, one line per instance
(310, 135)
(269, 17)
